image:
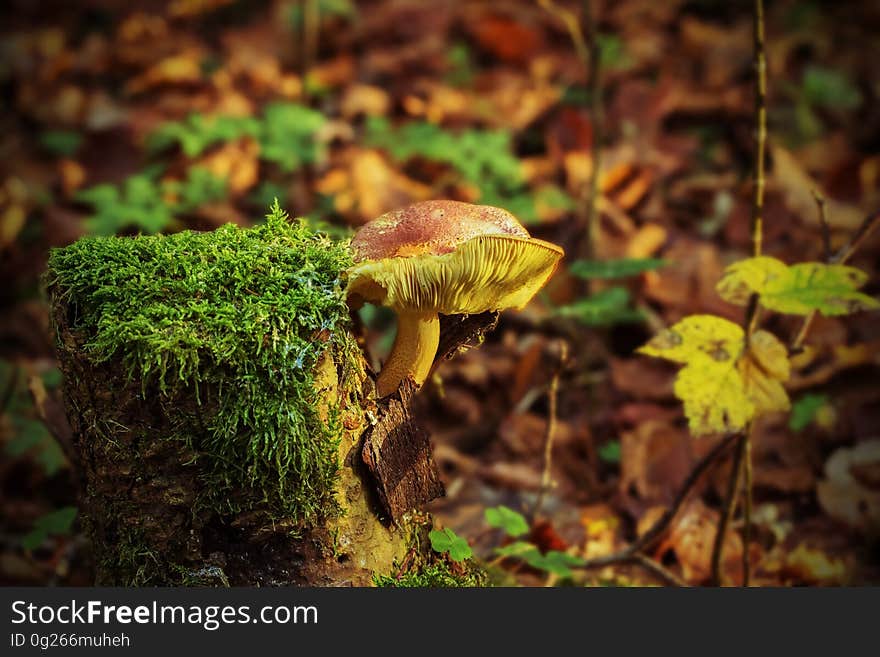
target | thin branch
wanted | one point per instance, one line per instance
(822, 207)
(549, 436)
(646, 540)
(761, 127)
(594, 90)
(859, 237)
(586, 44)
(747, 507)
(846, 252)
(658, 569)
(727, 512)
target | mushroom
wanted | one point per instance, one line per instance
(442, 257)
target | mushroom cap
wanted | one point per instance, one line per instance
(451, 258)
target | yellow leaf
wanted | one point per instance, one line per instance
(749, 276)
(697, 336)
(797, 289)
(723, 386)
(770, 355)
(714, 397)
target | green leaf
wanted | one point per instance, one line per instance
(796, 289)
(621, 268)
(61, 142)
(610, 451)
(502, 517)
(804, 410)
(604, 308)
(558, 563)
(830, 88)
(56, 523)
(446, 541)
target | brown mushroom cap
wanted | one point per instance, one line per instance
(449, 257)
(435, 227)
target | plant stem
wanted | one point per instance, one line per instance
(747, 506)
(761, 127)
(594, 91)
(727, 511)
(550, 435)
(822, 206)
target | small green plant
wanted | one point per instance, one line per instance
(610, 452)
(56, 523)
(502, 517)
(285, 134)
(515, 525)
(63, 143)
(151, 206)
(29, 435)
(446, 541)
(611, 305)
(804, 411)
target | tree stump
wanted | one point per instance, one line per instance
(224, 424)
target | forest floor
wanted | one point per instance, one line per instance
(155, 116)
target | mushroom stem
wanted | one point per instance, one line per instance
(418, 335)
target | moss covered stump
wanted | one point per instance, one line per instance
(219, 404)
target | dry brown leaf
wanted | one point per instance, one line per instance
(506, 38)
(236, 162)
(797, 185)
(655, 460)
(369, 187)
(814, 566)
(646, 241)
(365, 99)
(72, 175)
(692, 536)
(182, 68)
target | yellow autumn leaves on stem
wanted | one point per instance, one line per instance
(796, 289)
(728, 380)
(724, 383)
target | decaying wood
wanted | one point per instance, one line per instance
(396, 449)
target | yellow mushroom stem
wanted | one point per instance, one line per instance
(418, 335)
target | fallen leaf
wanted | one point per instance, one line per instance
(691, 537)
(815, 566)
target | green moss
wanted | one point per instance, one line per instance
(438, 574)
(237, 320)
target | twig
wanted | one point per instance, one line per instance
(594, 90)
(747, 507)
(550, 435)
(311, 26)
(862, 233)
(823, 222)
(742, 466)
(658, 569)
(761, 127)
(586, 45)
(846, 252)
(647, 539)
(727, 512)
